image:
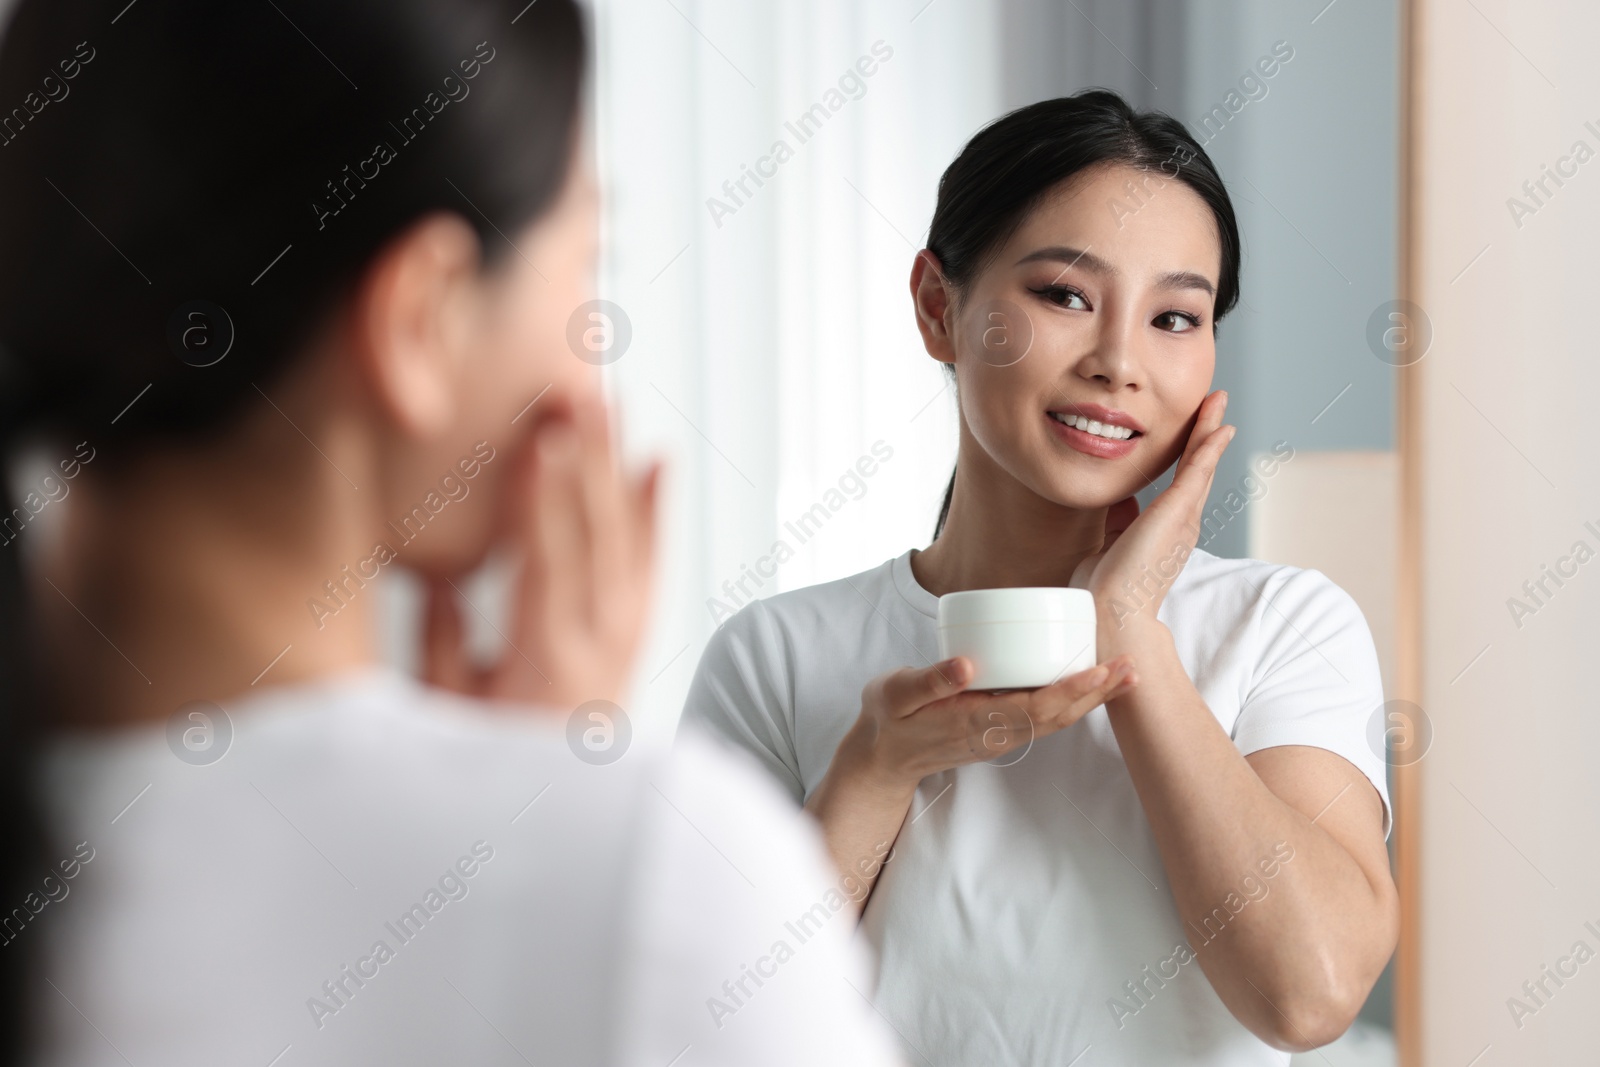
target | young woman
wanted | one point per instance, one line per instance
(1175, 857)
(285, 301)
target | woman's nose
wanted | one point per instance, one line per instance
(1113, 359)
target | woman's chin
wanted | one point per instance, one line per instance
(1081, 499)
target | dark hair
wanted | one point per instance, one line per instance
(252, 157)
(1012, 163)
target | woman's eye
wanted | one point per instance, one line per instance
(1063, 297)
(1176, 322)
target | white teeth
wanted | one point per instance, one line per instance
(1099, 429)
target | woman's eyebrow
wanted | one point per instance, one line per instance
(1186, 279)
(1176, 279)
(1070, 256)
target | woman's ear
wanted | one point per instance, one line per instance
(934, 301)
(410, 322)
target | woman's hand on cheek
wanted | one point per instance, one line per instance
(1143, 553)
(584, 533)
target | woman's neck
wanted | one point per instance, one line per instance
(1001, 534)
(188, 575)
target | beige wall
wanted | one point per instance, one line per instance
(1336, 512)
(1498, 425)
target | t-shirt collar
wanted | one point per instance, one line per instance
(905, 583)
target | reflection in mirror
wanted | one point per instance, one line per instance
(1128, 878)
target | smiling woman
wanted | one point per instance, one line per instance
(1051, 842)
(1093, 138)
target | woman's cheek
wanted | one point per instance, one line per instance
(1004, 406)
(1172, 447)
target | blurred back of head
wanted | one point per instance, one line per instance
(163, 156)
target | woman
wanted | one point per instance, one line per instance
(1206, 794)
(286, 300)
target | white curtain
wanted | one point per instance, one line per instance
(769, 172)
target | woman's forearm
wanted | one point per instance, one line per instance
(1291, 954)
(861, 814)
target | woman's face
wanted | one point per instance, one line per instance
(1096, 312)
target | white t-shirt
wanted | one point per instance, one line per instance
(377, 872)
(1023, 903)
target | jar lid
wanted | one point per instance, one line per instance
(1025, 604)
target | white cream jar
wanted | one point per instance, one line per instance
(1019, 638)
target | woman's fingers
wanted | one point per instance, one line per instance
(1002, 722)
(548, 538)
(604, 510)
(647, 493)
(928, 723)
(1074, 696)
(558, 521)
(1210, 420)
(1212, 410)
(584, 533)
(1207, 419)
(1197, 469)
(642, 509)
(905, 690)
(1194, 481)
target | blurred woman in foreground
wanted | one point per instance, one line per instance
(285, 302)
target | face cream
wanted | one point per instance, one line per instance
(1019, 638)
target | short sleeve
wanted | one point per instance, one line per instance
(1316, 680)
(742, 947)
(741, 695)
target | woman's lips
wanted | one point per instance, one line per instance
(1091, 445)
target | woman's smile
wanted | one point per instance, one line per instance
(1090, 437)
(1095, 430)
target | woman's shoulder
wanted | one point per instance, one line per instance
(385, 709)
(374, 733)
(824, 605)
(1204, 570)
(381, 758)
(1272, 595)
